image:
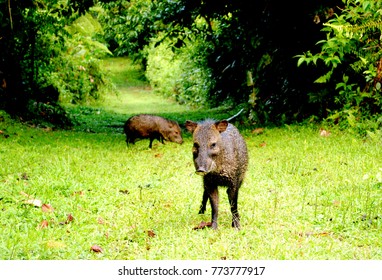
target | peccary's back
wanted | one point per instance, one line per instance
(235, 154)
(143, 125)
(146, 126)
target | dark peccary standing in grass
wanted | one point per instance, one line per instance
(221, 157)
(152, 127)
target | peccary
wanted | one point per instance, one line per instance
(221, 157)
(152, 127)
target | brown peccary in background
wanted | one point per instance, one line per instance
(221, 157)
(152, 127)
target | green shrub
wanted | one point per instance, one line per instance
(77, 72)
(182, 75)
(352, 58)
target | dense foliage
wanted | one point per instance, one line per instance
(352, 56)
(245, 49)
(248, 53)
(46, 54)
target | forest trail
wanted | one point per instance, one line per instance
(134, 94)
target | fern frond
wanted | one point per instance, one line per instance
(350, 30)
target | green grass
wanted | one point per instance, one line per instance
(304, 197)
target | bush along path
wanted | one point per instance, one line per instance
(307, 194)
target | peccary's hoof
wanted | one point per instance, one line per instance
(203, 225)
(236, 225)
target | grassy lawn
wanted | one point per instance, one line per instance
(305, 196)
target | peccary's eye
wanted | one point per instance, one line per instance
(213, 145)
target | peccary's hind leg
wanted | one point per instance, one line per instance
(161, 139)
(232, 198)
(153, 137)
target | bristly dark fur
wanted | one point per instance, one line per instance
(221, 157)
(152, 127)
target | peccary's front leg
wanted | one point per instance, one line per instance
(151, 142)
(204, 202)
(214, 200)
(232, 193)
(129, 140)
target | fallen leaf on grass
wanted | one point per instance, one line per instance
(69, 219)
(151, 233)
(43, 224)
(309, 234)
(158, 155)
(96, 249)
(324, 133)
(263, 144)
(80, 193)
(55, 244)
(47, 208)
(336, 203)
(323, 233)
(100, 220)
(259, 130)
(34, 202)
(203, 225)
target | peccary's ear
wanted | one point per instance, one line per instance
(191, 126)
(221, 126)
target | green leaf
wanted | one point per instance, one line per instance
(324, 78)
(301, 60)
(315, 58)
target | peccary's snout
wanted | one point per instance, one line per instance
(203, 159)
(199, 161)
(201, 171)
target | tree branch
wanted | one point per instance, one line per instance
(10, 14)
